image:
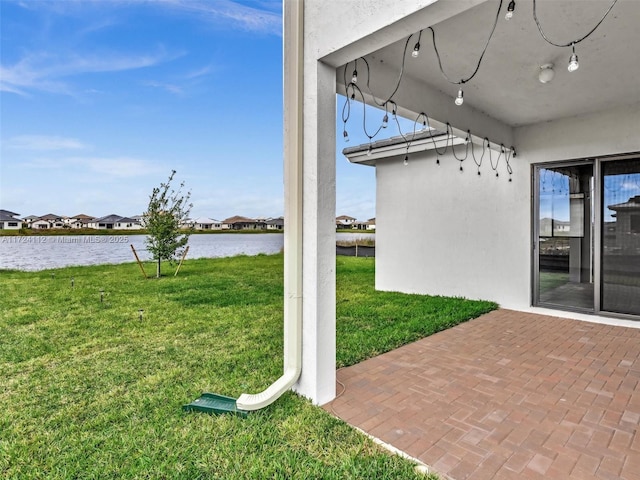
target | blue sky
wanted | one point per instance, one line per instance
(101, 99)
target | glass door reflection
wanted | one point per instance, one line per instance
(565, 261)
(620, 291)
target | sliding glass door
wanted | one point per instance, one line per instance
(587, 236)
(564, 260)
(621, 236)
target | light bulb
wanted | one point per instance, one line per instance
(573, 63)
(424, 125)
(354, 78)
(510, 9)
(345, 135)
(416, 50)
(406, 160)
(460, 98)
(369, 151)
(385, 121)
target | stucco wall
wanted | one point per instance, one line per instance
(446, 232)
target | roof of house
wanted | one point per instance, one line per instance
(8, 212)
(276, 221)
(127, 220)
(31, 217)
(7, 218)
(205, 221)
(50, 216)
(108, 219)
(632, 204)
(82, 216)
(397, 140)
(239, 219)
(345, 217)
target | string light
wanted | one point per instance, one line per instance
(573, 61)
(460, 98)
(352, 90)
(406, 160)
(416, 47)
(510, 9)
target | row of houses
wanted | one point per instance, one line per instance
(10, 220)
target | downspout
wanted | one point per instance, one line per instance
(293, 98)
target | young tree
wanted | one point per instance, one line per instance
(167, 212)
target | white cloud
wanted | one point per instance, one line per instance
(44, 142)
(113, 167)
(631, 186)
(169, 87)
(46, 72)
(267, 19)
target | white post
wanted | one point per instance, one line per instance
(318, 377)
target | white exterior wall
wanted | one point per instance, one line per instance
(469, 235)
(465, 235)
(6, 225)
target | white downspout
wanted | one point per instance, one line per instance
(293, 98)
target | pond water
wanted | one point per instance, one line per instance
(33, 253)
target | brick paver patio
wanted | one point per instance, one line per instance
(509, 395)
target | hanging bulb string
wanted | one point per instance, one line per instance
(352, 89)
(364, 113)
(400, 76)
(466, 146)
(465, 80)
(494, 168)
(572, 42)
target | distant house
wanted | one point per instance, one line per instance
(127, 223)
(275, 223)
(9, 220)
(80, 221)
(345, 221)
(371, 224)
(368, 225)
(243, 223)
(206, 223)
(627, 224)
(107, 222)
(40, 224)
(55, 221)
(29, 220)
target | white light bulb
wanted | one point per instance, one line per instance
(345, 135)
(510, 9)
(385, 121)
(369, 151)
(416, 51)
(573, 63)
(406, 160)
(460, 98)
(354, 78)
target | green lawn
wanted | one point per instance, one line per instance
(88, 390)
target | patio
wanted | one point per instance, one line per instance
(509, 395)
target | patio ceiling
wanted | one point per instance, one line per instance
(506, 87)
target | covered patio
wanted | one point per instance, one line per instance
(509, 395)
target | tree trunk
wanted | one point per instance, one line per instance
(158, 269)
